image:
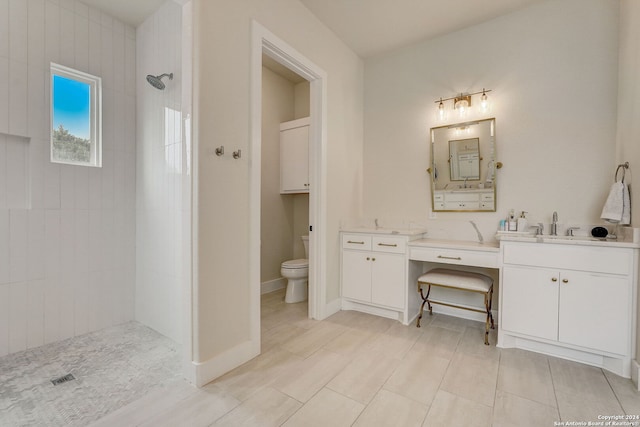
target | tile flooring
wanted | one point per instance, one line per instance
(361, 370)
(112, 368)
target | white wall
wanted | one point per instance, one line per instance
(628, 148)
(67, 245)
(163, 181)
(553, 71)
(222, 76)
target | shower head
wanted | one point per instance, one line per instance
(156, 81)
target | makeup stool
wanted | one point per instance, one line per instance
(460, 280)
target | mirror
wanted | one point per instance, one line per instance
(464, 159)
(463, 167)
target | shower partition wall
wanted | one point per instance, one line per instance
(163, 173)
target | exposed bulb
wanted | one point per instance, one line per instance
(441, 110)
(484, 102)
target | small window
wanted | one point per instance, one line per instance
(76, 130)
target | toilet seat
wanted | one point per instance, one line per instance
(295, 264)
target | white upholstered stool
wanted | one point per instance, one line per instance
(461, 280)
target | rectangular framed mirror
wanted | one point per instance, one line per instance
(463, 167)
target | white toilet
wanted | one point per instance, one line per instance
(297, 273)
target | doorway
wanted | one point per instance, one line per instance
(265, 42)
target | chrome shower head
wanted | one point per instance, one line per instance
(156, 81)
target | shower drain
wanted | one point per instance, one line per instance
(64, 379)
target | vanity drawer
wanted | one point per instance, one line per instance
(455, 256)
(486, 197)
(438, 197)
(396, 245)
(462, 197)
(570, 257)
(356, 241)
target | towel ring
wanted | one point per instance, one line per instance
(624, 167)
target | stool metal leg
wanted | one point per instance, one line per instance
(424, 300)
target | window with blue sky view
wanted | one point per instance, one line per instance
(74, 117)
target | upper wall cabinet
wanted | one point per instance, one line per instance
(463, 167)
(294, 156)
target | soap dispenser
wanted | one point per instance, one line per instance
(512, 224)
(522, 222)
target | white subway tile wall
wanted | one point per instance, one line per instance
(67, 233)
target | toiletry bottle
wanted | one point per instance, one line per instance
(503, 226)
(522, 222)
(513, 225)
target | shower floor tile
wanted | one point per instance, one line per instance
(112, 368)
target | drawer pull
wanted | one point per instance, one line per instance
(565, 280)
(355, 243)
(554, 279)
(457, 258)
(386, 244)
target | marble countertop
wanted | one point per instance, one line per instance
(569, 240)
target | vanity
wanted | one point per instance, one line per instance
(574, 298)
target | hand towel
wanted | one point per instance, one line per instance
(617, 208)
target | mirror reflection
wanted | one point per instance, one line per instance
(464, 159)
(463, 167)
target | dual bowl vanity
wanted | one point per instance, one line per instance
(573, 297)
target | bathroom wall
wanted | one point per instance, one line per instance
(628, 149)
(163, 178)
(67, 245)
(276, 216)
(553, 71)
(285, 218)
(222, 110)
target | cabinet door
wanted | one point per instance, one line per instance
(594, 311)
(388, 282)
(294, 160)
(530, 301)
(356, 275)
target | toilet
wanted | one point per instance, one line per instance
(296, 271)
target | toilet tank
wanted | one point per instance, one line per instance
(305, 242)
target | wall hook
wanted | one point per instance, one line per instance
(237, 154)
(220, 150)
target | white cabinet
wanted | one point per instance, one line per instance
(373, 269)
(294, 156)
(573, 301)
(376, 276)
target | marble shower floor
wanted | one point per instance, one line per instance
(112, 368)
(354, 369)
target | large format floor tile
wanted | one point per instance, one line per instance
(350, 369)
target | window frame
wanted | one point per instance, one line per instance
(95, 113)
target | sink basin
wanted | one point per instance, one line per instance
(579, 238)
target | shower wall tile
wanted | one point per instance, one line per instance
(67, 233)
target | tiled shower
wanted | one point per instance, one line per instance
(84, 248)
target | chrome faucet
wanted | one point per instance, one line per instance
(376, 222)
(475, 227)
(465, 181)
(554, 224)
(570, 230)
(539, 228)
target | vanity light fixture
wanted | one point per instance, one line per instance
(462, 103)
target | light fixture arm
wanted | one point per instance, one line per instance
(462, 95)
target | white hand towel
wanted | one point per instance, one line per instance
(626, 206)
(614, 207)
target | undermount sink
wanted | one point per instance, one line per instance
(580, 238)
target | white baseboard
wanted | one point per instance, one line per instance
(207, 371)
(635, 374)
(332, 308)
(272, 285)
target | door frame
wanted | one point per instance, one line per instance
(264, 41)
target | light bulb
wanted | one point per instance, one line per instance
(441, 110)
(484, 102)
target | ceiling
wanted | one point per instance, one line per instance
(369, 27)
(132, 12)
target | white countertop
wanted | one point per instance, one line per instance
(385, 230)
(456, 244)
(569, 240)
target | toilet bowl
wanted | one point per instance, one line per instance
(296, 271)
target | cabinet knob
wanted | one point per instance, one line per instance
(373, 259)
(565, 280)
(368, 258)
(554, 279)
